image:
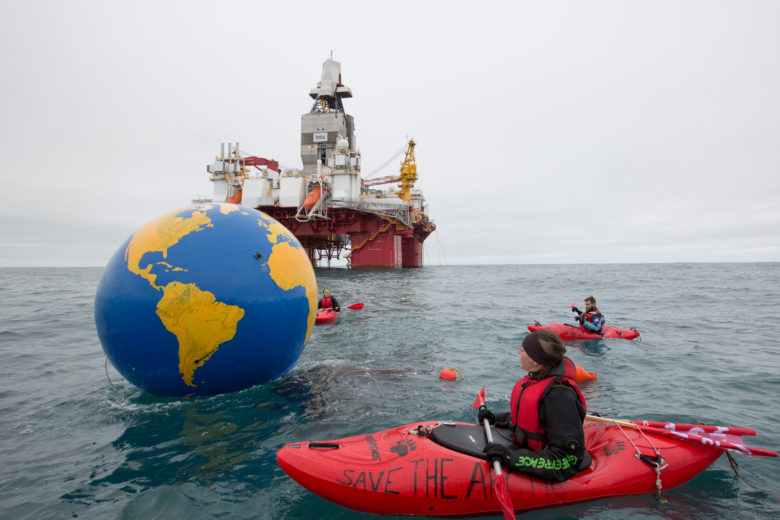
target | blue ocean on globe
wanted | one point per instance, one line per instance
(205, 300)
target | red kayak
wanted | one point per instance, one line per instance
(566, 331)
(437, 469)
(326, 315)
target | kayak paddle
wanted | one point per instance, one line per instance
(500, 489)
(356, 306)
(723, 437)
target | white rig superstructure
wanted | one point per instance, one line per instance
(329, 180)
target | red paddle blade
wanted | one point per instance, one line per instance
(573, 304)
(480, 400)
(356, 306)
(504, 498)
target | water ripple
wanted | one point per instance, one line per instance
(74, 443)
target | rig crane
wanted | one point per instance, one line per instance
(406, 177)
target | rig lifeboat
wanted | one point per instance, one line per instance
(235, 198)
(312, 198)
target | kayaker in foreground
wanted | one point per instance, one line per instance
(591, 320)
(328, 301)
(546, 413)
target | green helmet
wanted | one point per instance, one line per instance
(326, 291)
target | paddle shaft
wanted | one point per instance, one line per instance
(506, 507)
(500, 486)
(489, 437)
(621, 422)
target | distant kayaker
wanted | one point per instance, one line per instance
(328, 301)
(546, 414)
(591, 320)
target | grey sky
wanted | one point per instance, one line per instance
(558, 132)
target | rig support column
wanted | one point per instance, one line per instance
(412, 252)
(384, 250)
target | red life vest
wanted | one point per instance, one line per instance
(527, 396)
(589, 315)
(326, 304)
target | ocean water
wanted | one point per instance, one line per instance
(78, 441)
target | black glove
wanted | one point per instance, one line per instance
(578, 318)
(484, 413)
(575, 309)
(497, 452)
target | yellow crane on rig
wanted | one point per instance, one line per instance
(406, 177)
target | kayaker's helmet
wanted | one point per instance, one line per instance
(326, 291)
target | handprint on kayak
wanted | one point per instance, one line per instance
(613, 447)
(403, 447)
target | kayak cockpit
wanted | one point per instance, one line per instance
(469, 439)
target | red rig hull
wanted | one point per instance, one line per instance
(403, 471)
(374, 241)
(566, 331)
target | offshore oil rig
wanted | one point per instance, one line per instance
(327, 205)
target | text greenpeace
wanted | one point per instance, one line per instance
(542, 463)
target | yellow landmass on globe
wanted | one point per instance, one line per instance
(290, 268)
(275, 229)
(226, 209)
(160, 235)
(199, 322)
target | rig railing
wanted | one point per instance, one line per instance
(399, 213)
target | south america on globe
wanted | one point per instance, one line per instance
(207, 299)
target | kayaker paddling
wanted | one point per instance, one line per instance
(546, 413)
(328, 301)
(591, 320)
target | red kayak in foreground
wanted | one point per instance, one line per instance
(326, 315)
(566, 331)
(437, 469)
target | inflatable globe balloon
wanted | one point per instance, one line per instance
(207, 299)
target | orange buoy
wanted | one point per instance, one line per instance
(584, 375)
(449, 374)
